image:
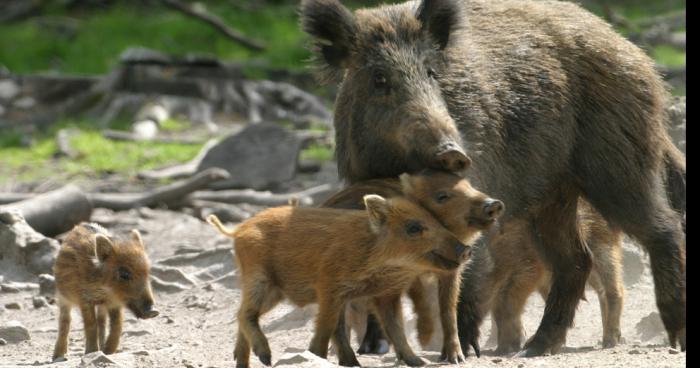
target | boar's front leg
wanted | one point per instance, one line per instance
(389, 311)
(448, 292)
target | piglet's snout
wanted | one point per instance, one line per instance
(493, 208)
(463, 252)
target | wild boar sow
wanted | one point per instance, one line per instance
(331, 256)
(540, 101)
(100, 274)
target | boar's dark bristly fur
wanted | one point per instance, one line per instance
(548, 104)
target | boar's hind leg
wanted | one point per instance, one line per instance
(374, 341)
(556, 232)
(346, 357)
(116, 317)
(642, 210)
(59, 352)
(389, 311)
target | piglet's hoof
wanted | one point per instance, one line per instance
(59, 359)
(379, 347)
(529, 353)
(414, 361)
(266, 359)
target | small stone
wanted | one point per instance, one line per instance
(169, 320)
(13, 332)
(13, 305)
(96, 359)
(673, 351)
(47, 285)
(497, 360)
(634, 352)
(3, 342)
(141, 352)
(39, 302)
(25, 102)
(7, 288)
(8, 89)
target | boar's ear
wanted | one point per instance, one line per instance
(440, 18)
(136, 236)
(103, 247)
(406, 183)
(333, 25)
(378, 210)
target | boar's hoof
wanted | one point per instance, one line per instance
(371, 346)
(348, 362)
(530, 352)
(59, 359)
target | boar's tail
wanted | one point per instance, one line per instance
(674, 177)
(214, 221)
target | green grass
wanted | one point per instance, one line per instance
(668, 55)
(98, 155)
(317, 152)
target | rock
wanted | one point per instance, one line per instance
(650, 326)
(145, 129)
(13, 305)
(302, 359)
(3, 342)
(634, 352)
(8, 89)
(39, 302)
(13, 332)
(96, 359)
(497, 360)
(258, 157)
(22, 249)
(25, 102)
(677, 121)
(673, 351)
(8, 288)
(172, 274)
(47, 285)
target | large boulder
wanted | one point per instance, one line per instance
(23, 251)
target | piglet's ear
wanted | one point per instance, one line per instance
(406, 183)
(136, 236)
(333, 26)
(378, 210)
(103, 247)
(440, 18)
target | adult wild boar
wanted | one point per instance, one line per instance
(541, 100)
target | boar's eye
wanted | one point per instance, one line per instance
(414, 228)
(431, 73)
(124, 274)
(441, 197)
(380, 80)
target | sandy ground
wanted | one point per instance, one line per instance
(197, 326)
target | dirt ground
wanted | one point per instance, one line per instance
(196, 327)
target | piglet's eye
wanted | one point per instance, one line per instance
(441, 197)
(124, 274)
(414, 228)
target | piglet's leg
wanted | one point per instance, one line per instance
(59, 352)
(389, 311)
(328, 315)
(346, 357)
(90, 326)
(101, 325)
(448, 292)
(116, 316)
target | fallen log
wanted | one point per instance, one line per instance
(171, 195)
(266, 198)
(55, 212)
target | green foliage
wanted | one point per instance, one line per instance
(668, 55)
(317, 152)
(98, 155)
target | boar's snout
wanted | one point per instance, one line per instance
(493, 208)
(452, 158)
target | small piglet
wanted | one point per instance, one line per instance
(331, 256)
(100, 274)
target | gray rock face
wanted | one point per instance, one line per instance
(13, 332)
(24, 251)
(47, 285)
(677, 123)
(258, 157)
(97, 359)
